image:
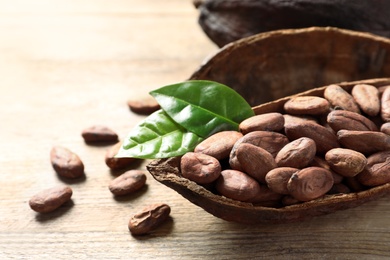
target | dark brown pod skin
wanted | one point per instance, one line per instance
(66, 163)
(227, 21)
(50, 199)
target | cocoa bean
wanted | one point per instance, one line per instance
(200, 168)
(377, 170)
(264, 122)
(347, 120)
(116, 163)
(346, 162)
(277, 179)
(385, 128)
(149, 218)
(366, 142)
(367, 98)
(50, 199)
(307, 105)
(338, 97)
(385, 105)
(127, 183)
(339, 188)
(296, 154)
(320, 162)
(293, 119)
(98, 134)
(266, 197)
(143, 105)
(66, 163)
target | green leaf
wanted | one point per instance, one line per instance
(158, 136)
(203, 107)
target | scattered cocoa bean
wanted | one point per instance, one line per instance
(297, 154)
(367, 98)
(149, 218)
(347, 120)
(277, 179)
(66, 163)
(377, 170)
(98, 134)
(219, 145)
(338, 97)
(127, 183)
(307, 105)
(310, 183)
(50, 199)
(265, 122)
(237, 185)
(116, 163)
(366, 142)
(200, 168)
(143, 105)
(346, 162)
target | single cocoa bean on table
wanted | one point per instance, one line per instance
(143, 105)
(116, 163)
(127, 183)
(200, 168)
(99, 134)
(148, 219)
(66, 163)
(50, 199)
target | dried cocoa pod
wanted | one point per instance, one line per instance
(307, 105)
(255, 161)
(50, 199)
(347, 120)
(324, 139)
(98, 134)
(367, 98)
(385, 104)
(269, 141)
(297, 154)
(310, 183)
(277, 179)
(346, 162)
(265, 122)
(200, 168)
(366, 142)
(237, 185)
(227, 21)
(66, 163)
(377, 170)
(219, 145)
(338, 97)
(127, 183)
(149, 219)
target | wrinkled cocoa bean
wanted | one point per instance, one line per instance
(66, 163)
(338, 97)
(377, 170)
(265, 122)
(143, 105)
(148, 219)
(385, 128)
(346, 162)
(115, 163)
(367, 98)
(98, 134)
(296, 119)
(237, 185)
(277, 179)
(320, 162)
(310, 183)
(219, 145)
(50, 199)
(200, 168)
(255, 161)
(307, 105)
(385, 105)
(347, 120)
(296, 154)
(127, 183)
(366, 142)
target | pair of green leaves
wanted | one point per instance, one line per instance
(190, 112)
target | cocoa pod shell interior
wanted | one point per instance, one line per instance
(272, 65)
(167, 172)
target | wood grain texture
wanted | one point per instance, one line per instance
(66, 65)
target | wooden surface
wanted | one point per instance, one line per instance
(66, 65)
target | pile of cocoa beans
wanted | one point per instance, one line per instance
(318, 146)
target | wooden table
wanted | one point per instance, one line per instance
(67, 65)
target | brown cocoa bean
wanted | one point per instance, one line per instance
(366, 142)
(310, 183)
(296, 154)
(307, 105)
(353, 184)
(66, 163)
(385, 105)
(200, 168)
(117, 163)
(324, 139)
(264, 122)
(149, 218)
(127, 183)
(266, 197)
(143, 105)
(347, 120)
(272, 142)
(367, 98)
(346, 162)
(339, 188)
(385, 128)
(255, 161)
(277, 179)
(98, 134)
(237, 185)
(377, 170)
(218, 145)
(338, 97)
(50, 199)
(290, 119)
(320, 162)
(289, 200)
